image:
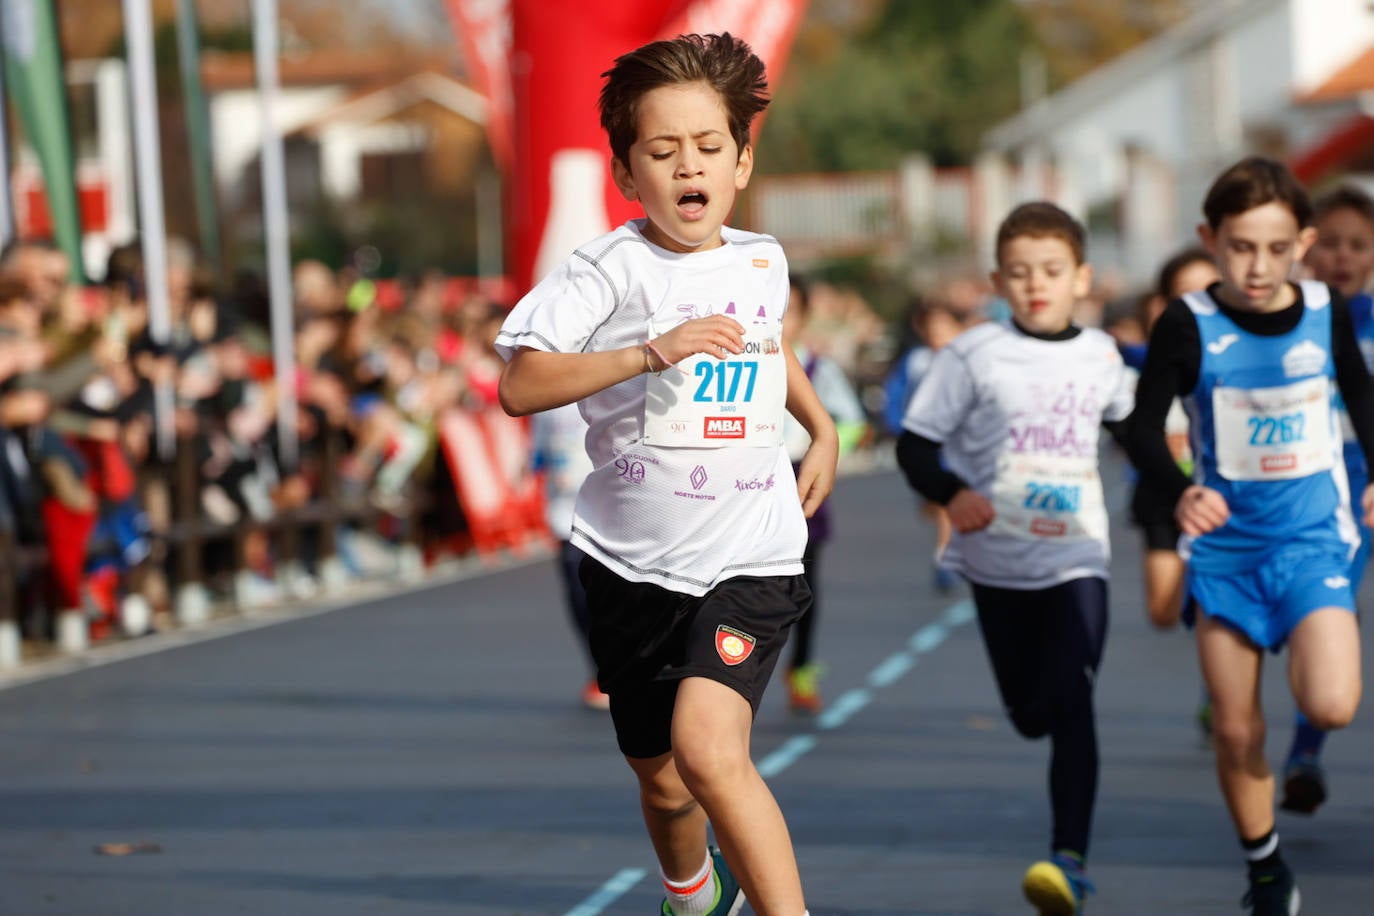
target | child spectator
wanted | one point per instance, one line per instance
(560, 454)
(840, 401)
(932, 323)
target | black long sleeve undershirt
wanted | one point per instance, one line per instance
(919, 459)
(1175, 358)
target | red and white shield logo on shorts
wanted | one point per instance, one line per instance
(732, 645)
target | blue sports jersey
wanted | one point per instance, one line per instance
(1267, 437)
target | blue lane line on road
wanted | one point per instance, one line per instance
(886, 674)
(792, 749)
(928, 638)
(609, 892)
(959, 614)
(840, 711)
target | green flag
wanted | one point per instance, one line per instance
(36, 83)
(198, 127)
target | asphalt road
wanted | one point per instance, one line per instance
(424, 753)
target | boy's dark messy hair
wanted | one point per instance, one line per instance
(1168, 273)
(1344, 197)
(1042, 219)
(1253, 182)
(723, 62)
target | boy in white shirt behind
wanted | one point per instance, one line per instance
(1014, 408)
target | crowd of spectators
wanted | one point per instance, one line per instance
(120, 454)
(99, 422)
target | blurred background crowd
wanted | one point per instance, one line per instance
(103, 513)
(429, 159)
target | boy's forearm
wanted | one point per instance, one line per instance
(1148, 451)
(536, 380)
(919, 460)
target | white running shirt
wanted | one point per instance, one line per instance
(1019, 420)
(682, 518)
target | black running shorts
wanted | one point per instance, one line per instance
(645, 639)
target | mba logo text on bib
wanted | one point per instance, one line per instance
(724, 428)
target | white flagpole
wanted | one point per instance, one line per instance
(138, 35)
(277, 229)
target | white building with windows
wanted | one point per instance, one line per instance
(1132, 147)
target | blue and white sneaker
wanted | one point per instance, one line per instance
(729, 898)
(1273, 892)
(1057, 887)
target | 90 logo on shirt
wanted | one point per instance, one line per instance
(720, 381)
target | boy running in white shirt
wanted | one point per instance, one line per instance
(1014, 408)
(668, 331)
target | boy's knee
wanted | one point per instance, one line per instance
(1332, 712)
(1238, 739)
(1164, 615)
(1029, 722)
(666, 795)
(711, 764)
(672, 803)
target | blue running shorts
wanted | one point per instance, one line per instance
(1266, 603)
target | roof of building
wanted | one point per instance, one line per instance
(222, 70)
(380, 101)
(1118, 75)
(1346, 83)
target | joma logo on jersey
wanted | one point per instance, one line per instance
(724, 428)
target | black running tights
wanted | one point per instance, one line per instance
(1045, 646)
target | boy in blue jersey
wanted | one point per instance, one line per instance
(1342, 258)
(1268, 524)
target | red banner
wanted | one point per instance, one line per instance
(483, 29)
(544, 126)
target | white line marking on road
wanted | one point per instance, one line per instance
(886, 674)
(785, 756)
(838, 712)
(609, 892)
(928, 638)
(960, 613)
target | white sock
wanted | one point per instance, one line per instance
(694, 896)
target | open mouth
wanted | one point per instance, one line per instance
(692, 202)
